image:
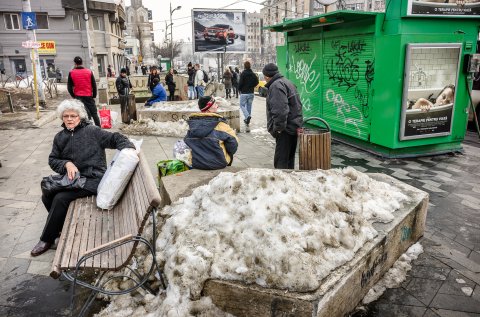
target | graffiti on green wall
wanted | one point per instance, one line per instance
(348, 77)
(344, 69)
(303, 69)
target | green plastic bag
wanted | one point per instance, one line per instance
(169, 167)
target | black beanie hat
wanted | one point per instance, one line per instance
(205, 102)
(270, 70)
(123, 70)
(78, 60)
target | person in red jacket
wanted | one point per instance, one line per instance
(82, 86)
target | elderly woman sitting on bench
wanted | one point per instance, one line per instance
(79, 148)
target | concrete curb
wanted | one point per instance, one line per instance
(44, 119)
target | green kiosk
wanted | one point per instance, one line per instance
(394, 83)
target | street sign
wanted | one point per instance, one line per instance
(29, 20)
(31, 44)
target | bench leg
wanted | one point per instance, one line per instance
(90, 298)
(154, 251)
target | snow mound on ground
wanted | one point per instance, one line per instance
(269, 227)
(150, 127)
(395, 275)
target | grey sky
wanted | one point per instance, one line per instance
(182, 20)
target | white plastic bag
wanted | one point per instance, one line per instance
(182, 152)
(136, 143)
(114, 116)
(117, 176)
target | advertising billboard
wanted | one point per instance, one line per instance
(219, 30)
(463, 8)
(431, 75)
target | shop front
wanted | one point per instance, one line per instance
(392, 83)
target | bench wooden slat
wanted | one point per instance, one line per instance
(97, 238)
(122, 231)
(91, 237)
(83, 203)
(71, 235)
(141, 199)
(104, 239)
(56, 269)
(149, 182)
(86, 227)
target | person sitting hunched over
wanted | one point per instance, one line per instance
(212, 140)
(158, 93)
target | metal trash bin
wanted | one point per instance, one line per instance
(314, 146)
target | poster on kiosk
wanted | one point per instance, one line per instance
(463, 8)
(431, 75)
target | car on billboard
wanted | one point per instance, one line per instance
(219, 32)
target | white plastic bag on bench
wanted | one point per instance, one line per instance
(117, 176)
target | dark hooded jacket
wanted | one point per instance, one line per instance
(247, 82)
(85, 147)
(121, 83)
(284, 108)
(212, 140)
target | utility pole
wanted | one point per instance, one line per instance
(89, 48)
(32, 36)
(171, 28)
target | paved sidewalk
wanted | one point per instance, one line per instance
(445, 280)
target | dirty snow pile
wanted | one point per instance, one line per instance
(269, 227)
(150, 127)
(187, 106)
(395, 275)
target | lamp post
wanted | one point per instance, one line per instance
(171, 27)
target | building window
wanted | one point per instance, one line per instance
(98, 23)
(76, 21)
(42, 21)
(129, 50)
(11, 21)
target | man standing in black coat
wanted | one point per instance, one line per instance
(284, 116)
(122, 83)
(246, 85)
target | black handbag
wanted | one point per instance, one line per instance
(56, 183)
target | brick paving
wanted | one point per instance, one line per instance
(444, 281)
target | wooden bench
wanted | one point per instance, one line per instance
(95, 240)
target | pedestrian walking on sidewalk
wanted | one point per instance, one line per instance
(78, 150)
(199, 81)
(235, 76)
(284, 116)
(82, 86)
(170, 82)
(227, 81)
(246, 85)
(192, 94)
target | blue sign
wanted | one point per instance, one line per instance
(29, 20)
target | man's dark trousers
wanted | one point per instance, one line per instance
(286, 145)
(57, 206)
(91, 108)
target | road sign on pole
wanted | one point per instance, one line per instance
(29, 20)
(31, 44)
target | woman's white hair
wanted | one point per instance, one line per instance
(73, 105)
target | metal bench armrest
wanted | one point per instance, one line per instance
(107, 245)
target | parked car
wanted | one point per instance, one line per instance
(260, 89)
(222, 33)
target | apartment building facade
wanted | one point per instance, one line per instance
(62, 31)
(276, 11)
(139, 34)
